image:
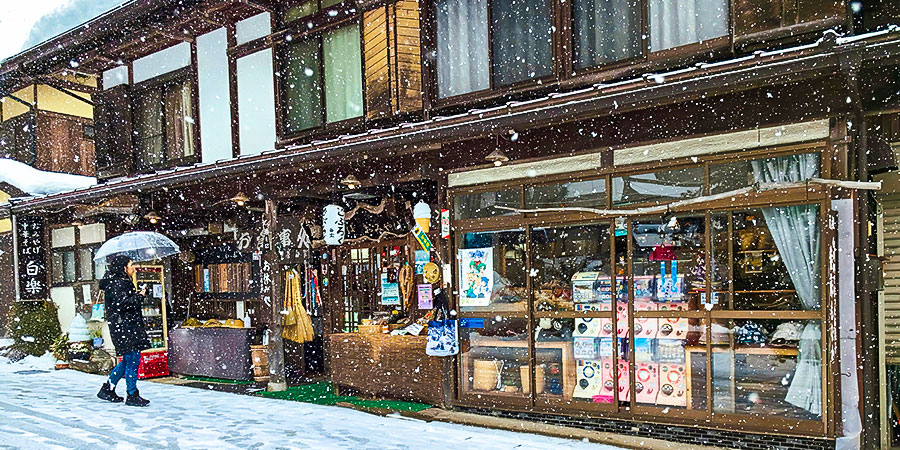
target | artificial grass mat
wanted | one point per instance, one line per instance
(216, 380)
(323, 394)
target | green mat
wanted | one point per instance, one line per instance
(323, 394)
(216, 380)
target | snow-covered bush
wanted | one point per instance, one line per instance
(33, 326)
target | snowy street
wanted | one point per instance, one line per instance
(44, 408)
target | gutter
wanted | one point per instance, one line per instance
(555, 108)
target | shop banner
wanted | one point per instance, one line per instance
(422, 238)
(390, 292)
(32, 263)
(476, 276)
(426, 299)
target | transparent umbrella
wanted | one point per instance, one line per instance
(139, 246)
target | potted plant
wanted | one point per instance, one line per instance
(60, 351)
(80, 351)
(97, 337)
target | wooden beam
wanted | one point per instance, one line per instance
(174, 36)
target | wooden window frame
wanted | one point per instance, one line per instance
(75, 249)
(184, 76)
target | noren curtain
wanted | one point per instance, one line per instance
(605, 31)
(679, 22)
(795, 230)
(462, 47)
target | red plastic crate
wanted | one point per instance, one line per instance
(153, 364)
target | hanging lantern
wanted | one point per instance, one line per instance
(333, 225)
(422, 214)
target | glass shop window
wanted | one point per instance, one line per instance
(677, 184)
(63, 270)
(669, 267)
(492, 274)
(674, 23)
(605, 31)
(669, 371)
(785, 169)
(767, 368)
(591, 193)
(777, 258)
(570, 261)
(494, 357)
(481, 205)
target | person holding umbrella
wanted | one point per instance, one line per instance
(124, 305)
(126, 327)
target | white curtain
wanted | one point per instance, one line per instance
(462, 47)
(795, 230)
(679, 22)
(343, 74)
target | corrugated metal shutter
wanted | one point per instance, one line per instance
(891, 208)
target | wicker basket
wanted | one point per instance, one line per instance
(486, 375)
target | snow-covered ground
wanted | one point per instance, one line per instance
(44, 408)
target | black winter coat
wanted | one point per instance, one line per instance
(123, 313)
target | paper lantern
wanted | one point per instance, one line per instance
(422, 214)
(333, 225)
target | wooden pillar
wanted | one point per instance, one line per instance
(270, 270)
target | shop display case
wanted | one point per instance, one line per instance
(155, 360)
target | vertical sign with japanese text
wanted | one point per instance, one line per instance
(32, 263)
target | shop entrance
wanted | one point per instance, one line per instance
(363, 267)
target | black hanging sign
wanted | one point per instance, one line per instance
(32, 263)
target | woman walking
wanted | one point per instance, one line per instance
(126, 327)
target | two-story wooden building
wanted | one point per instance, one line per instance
(659, 211)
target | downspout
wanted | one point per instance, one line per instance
(868, 314)
(32, 124)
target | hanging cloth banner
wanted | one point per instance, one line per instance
(420, 236)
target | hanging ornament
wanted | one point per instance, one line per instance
(422, 214)
(333, 225)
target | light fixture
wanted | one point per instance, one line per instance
(77, 223)
(497, 157)
(240, 199)
(152, 217)
(351, 182)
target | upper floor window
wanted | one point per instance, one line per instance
(483, 44)
(322, 70)
(163, 124)
(674, 23)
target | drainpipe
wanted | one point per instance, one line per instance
(868, 314)
(32, 124)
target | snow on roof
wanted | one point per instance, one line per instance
(38, 182)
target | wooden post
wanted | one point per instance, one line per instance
(276, 343)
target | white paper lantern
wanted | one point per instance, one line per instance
(333, 225)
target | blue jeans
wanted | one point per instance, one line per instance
(128, 368)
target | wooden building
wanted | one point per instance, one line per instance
(659, 220)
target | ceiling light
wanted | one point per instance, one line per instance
(152, 217)
(497, 157)
(351, 182)
(240, 199)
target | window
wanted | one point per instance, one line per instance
(521, 43)
(483, 204)
(674, 23)
(522, 40)
(605, 31)
(323, 69)
(462, 47)
(163, 124)
(669, 185)
(576, 193)
(72, 253)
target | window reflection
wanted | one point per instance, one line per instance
(658, 186)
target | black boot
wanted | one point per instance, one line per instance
(136, 400)
(108, 393)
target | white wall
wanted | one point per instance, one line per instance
(256, 102)
(215, 106)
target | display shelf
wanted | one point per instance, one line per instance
(565, 347)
